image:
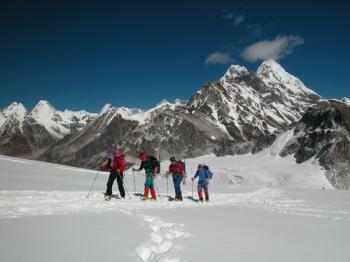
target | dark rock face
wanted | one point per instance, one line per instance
(167, 132)
(323, 133)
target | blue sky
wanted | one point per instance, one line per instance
(81, 55)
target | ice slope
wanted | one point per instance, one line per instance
(45, 216)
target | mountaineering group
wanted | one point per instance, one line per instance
(116, 164)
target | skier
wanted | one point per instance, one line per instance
(116, 164)
(204, 175)
(152, 167)
(177, 170)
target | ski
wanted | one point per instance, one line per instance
(193, 199)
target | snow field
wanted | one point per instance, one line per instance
(176, 231)
(14, 204)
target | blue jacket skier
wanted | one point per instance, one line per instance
(204, 175)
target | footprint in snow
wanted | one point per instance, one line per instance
(163, 238)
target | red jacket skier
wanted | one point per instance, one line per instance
(177, 169)
(116, 164)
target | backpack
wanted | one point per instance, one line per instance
(178, 168)
(183, 164)
(208, 173)
(154, 163)
(119, 161)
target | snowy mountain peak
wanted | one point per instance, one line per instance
(16, 110)
(275, 76)
(270, 65)
(166, 103)
(346, 101)
(44, 103)
(59, 123)
(106, 108)
(234, 71)
(43, 108)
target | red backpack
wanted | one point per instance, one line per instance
(119, 161)
(178, 168)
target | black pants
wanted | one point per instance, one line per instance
(119, 176)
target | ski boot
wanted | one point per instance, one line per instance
(108, 197)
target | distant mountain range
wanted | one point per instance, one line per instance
(242, 112)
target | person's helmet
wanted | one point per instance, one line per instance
(172, 159)
(142, 156)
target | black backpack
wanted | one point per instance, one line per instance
(208, 172)
(154, 163)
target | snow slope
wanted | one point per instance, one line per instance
(46, 216)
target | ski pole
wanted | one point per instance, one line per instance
(167, 185)
(98, 171)
(133, 175)
(155, 185)
(126, 189)
(192, 188)
(161, 183)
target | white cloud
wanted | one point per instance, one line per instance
(254, 30)
(228, 16)
(275, 49)
(238, 19)
(218, 58)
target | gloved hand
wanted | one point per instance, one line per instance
(192, 179)
(206, 181)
